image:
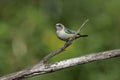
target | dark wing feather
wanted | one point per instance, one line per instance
(69, 31)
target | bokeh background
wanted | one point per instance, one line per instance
(27, 34)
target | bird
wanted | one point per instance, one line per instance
(64, 33)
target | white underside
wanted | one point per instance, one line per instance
(62, 35)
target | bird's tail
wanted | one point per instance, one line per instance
(83, 35)
(79, 35)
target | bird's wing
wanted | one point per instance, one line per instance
(69, 31)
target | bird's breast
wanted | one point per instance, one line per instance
(64, 36)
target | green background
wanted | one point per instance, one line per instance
(27, 34)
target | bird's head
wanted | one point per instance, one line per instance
(59, 26)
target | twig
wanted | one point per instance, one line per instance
(78, 31)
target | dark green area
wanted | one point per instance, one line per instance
(27, 33)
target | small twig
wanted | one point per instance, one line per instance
(68, 43)
(78, 31)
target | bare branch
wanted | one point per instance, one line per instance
(78, 31)
(48, 68)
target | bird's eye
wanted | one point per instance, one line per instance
(59, 25)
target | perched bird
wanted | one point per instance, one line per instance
(64, 34)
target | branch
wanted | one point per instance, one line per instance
(48, 68)
(78, 31)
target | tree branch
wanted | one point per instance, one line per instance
(48, 68)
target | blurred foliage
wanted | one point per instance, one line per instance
(27, 34)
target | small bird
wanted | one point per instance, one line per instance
(64, 34)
